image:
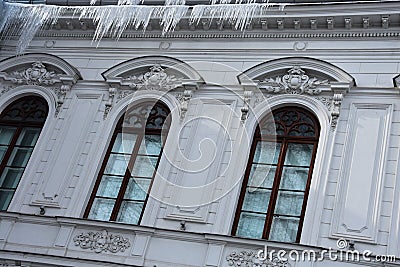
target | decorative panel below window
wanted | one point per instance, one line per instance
(130, 164)
(277, 179)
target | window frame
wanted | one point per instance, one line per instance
(133, 156)
(284, 140)
(20, 125)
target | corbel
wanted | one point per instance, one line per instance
(247, 95)
(111, 94)
(184, 100)
(249, 88)
(339, 91)
(61, 94)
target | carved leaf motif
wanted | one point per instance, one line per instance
(295, 82)
(102, 241)
(155, 79)
(36, 75)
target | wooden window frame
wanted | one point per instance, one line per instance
(141, 133)
(284, 140)
(19, 125)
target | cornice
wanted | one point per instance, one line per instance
(299, 21)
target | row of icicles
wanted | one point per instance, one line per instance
(25, 20)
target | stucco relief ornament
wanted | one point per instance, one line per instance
(250, 259)
(155, 79)
(37, 75)
(102, 241)
(295, 82)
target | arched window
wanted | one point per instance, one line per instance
(277, 179)
(125, 178)
(20, 126)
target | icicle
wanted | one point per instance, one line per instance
(174, 2)
(170, 16)
(120, 2)
(238, 15)
(128, 2)
(26, 20)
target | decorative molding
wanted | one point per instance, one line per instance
(232, 35)
(102, 241)
(250, 259)
(295, 82)
(155, 79)
(362, 166)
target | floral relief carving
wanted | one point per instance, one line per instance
(36, 75)
(326, 100)
(296, 81)
(250, 259)
(155, 79)
(102, 241)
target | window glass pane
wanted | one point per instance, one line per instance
(289, 203)
(262, 175)
(117, 164)
(101, 209)
(3, 150)
(109, 186)
(28, 137)
(294, 178)
(124, 143)
(19, 157)
(256, 200)
(144, 166)
(299, 154)
(5, 198)
(267, 152)
(130, 212)
(251, 225)
(10, 177)
(6, 133)
(284, 229)
(137, 189)
(151, 145)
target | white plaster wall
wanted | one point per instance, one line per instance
(67, 162)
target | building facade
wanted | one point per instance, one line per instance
(205, 145)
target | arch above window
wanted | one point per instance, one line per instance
(300, 76)
(20, 125)
(152, 73)
(314, 67)
(40, 70)
(275, 188)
